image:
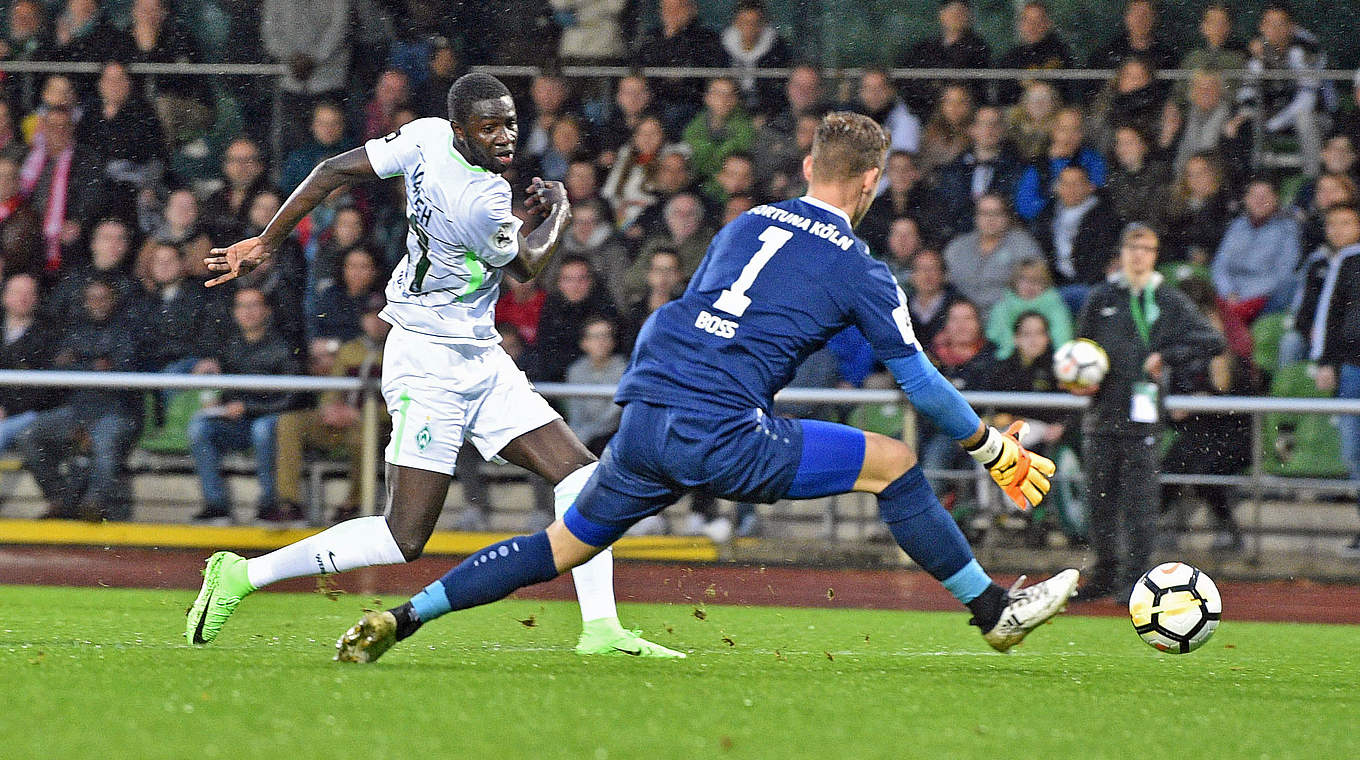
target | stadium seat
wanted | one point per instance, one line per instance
(1266, 333)
(171, 436)
(1301, 445)
(884, 419)
(1289, 188)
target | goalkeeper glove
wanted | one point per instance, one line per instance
(1022, 474)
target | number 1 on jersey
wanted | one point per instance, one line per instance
(733, 300)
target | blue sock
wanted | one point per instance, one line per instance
(929, 535)
(492, 573)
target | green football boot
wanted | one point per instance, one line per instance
(224, 586)
(367, 639)
(606, 636)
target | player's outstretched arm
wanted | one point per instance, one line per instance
(548, 199)
(240, 258)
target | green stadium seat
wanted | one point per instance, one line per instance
(884, 419)
(1301, 445)
(1266, 333)
(172, 435)
(1289, 187)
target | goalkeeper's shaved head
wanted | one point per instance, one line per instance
(473, 88)
(847, 145)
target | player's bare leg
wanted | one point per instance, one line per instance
(555, 453)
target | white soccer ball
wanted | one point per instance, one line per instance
(1175, 607)
(1080, 362)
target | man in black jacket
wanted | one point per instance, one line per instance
(1147, 328)
(240, 419)
(988, 166)
(957, 46)
(680, 39)
(26, 342)
(1328, 319)
(103, 340)
(1078, 233)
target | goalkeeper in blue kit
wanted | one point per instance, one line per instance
(776, 283)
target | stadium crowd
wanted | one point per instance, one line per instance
(1000, 210)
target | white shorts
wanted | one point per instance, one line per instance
(440, 393)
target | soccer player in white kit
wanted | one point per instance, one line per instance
(445, 376)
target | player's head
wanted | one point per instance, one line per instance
(485, 126)
(847, 159)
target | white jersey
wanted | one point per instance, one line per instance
(461, 233)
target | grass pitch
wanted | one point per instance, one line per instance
(104, 673)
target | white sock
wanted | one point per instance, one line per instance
(361, 542)
(595, 579)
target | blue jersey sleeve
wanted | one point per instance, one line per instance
(878, 307)
(934, 395)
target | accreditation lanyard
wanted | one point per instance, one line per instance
(1143, 315)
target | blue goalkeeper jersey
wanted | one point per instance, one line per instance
(774, 286)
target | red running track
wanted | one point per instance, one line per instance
(1299, 601)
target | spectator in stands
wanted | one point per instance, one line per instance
(878, 99)
(21, 243)
(549, 94)
(594, 420)
(1066, 145)
(583, 184)
(82, 32)
(672, 177)
(1148, 328)
(905, 193)
(987, 166)
(946, 132)
(591, 31)
(779, 159)
(592, 238)
(1327, 314)
(183, 103)
(241, 419)
(1139, 183)
(751, 43)
(632, 103)
(803, 96)
(313, 41)
(179, 225)
(981, 263)
(243, 169)
(1206, 118)
(1199, 211)
(1031, 291)
(931, 295)
(1253, 269)
(1139, 38)
(665, 283)
(58, 92)
(579, 297)
(904, 242)
(63, 185)
(520, 308)
(1217, 52)
(967, 359)
(1030, 121)
(1331, 190)
(1338, 157)
(736, 177)
(391, 93)
(1209, 443)
(347, 230)
(721, 129)
(1287, 105)
(737, 205)
(1134, 98)
(122, 135)
(102, 340)
(680, 39)
(339, 308)
(432, 96)
(180, 322)
(1078, 232)
(628, 187)
(27, 342)
(334, 425)
(1348, 120)
(1039, 48)
(328, 139)
(26, 39)
(110, 245)
(11, 141)
(282, 277)
(566, 143)
(686, 233)
(957, 46)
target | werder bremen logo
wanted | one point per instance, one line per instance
(424, 437)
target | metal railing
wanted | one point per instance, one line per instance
(1255, 481)
(708, 72)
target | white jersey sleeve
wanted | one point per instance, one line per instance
(392, 154)
(497, 226)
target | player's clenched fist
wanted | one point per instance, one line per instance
(235, 260)
(544, 196)
(1021, 473)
